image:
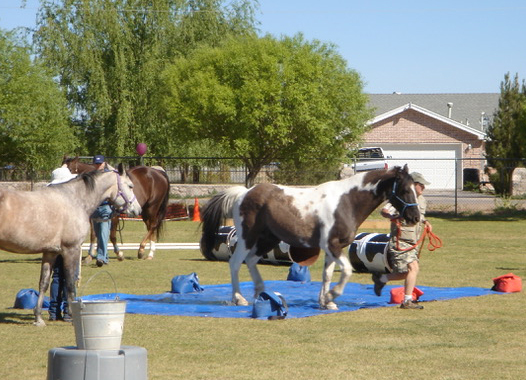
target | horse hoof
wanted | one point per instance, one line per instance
(140, 256)
(120, 256)
(149, 258)
(39, 323)
(241, 302)
(329, 306)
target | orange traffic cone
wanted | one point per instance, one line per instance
(197, 214)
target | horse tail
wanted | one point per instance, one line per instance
(215, 211)
(159, 224)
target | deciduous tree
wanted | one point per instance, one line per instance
(266, 100)
(34, 125)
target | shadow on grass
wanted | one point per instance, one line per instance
(496, 216)
(36, 260)
(510, 268)
(16, 318)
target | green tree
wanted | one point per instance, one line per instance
(109, 54)
(34, 125)
(266, 100)
(505, 143)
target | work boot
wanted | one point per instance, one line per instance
(410, 305)
(378, 285)
(100, 263)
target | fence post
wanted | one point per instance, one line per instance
(456, 186)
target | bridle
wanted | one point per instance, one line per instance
(121, 193)
(404, 203)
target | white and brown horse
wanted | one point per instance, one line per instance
(55, 220)
(326, 216)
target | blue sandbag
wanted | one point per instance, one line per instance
(270, 305)
(186, 284)
(298, 273)
(27, 299)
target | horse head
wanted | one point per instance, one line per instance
(403, 195)
(123, 199)
(75, 166)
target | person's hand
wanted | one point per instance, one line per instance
(428, 226)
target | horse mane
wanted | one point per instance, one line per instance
(386, 179)
(89, 178)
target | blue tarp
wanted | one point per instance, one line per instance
(302, 299)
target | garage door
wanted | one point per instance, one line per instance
(435, 161)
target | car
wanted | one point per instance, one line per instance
(370, 158)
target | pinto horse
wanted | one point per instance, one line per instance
(152, 189)
(326, 216)
(55, 220)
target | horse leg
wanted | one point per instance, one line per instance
(251, 261)
(328, 271)
(239, 255)
(142, 246)
(346, 272)
(71, 264)
(113, 238)
(79, 269)
(153, 240)
(48, 259)
(91, 249)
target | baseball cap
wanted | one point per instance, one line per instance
(417, 177)
(98, 159)
(61, 175)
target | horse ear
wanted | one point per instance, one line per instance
(406, 168)
(120, 168)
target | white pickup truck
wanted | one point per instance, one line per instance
(366, 159)
(370, 159)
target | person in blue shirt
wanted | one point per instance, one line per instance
(101, 219)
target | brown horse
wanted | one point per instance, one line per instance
(152, 189)
(308, 219)
(54, 221)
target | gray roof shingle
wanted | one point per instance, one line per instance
(466, 108)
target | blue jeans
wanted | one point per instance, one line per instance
(58, 295)
(101, 224)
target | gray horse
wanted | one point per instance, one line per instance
(55, 221)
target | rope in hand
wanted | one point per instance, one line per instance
(434, 241)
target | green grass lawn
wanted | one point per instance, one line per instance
(467, 338)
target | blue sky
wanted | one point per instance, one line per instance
(406, 46)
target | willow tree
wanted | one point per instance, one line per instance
(109, 54)
(266, 100)
(34, 124)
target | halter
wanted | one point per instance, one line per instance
(121, 193)
(404, 203)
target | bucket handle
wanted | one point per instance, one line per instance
(95, 275)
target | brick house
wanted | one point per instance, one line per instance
(430, 131)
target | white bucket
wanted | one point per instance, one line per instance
(98, 324)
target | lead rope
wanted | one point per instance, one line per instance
(434, 241)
